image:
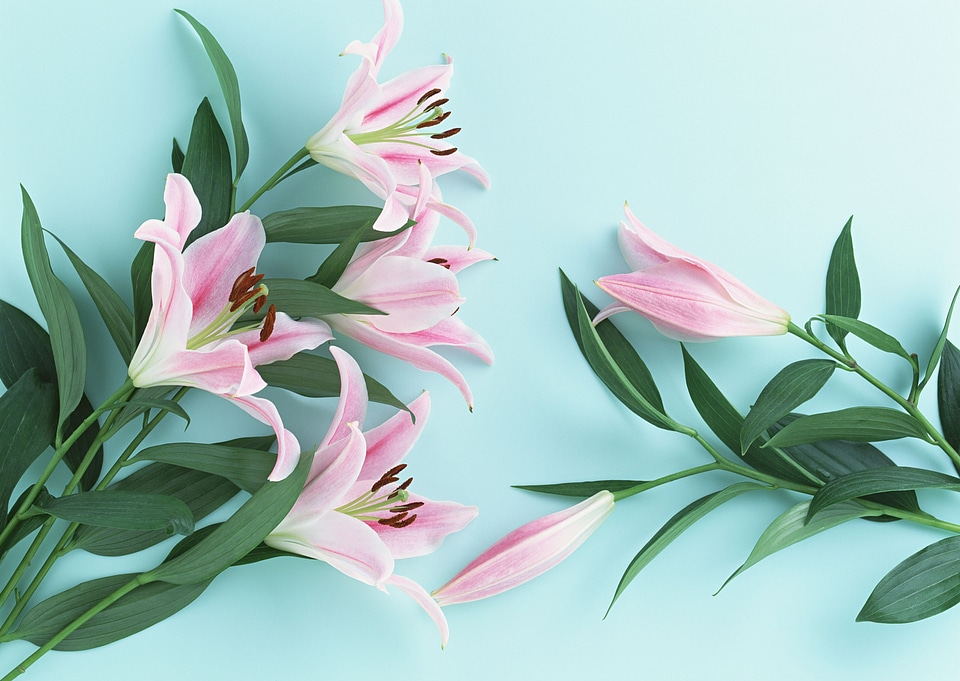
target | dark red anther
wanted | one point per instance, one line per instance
(427, 95)
(392, 520)
(445, 134)
(268, 323)
(387, 478)
(402, 508)
(436, 120)
(439, 102)
(444, 152)
(443, 262)
(240, 284)
(258, 303)
(244, 298)
(404, 522)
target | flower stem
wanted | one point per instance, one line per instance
(643, 487)
(275, 178)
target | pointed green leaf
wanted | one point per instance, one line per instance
(176, 157)
(115, 313)
(25, 527)
(792, 386)
(869, 334)
(877, 480)
(143, 400)
(714, 408)
(791, 527)
(859, 424)
(141, 608)
(239, 535)
(202, 493)
(941, 343)
(78, 452)
(246, 468)
(923, 585)
(582, 489)
(676, 526)
(59, 310)
(948, 394)
(326, 225)
(145, 403)
(313, 376)
(843, 283)
(300, 298)
(140, 272)
(230, 87)
(122, 510)
(28, 423)
(618, 347)
(333, 266)
(207, 166)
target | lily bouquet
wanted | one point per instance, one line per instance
(199, 316)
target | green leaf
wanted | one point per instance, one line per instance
(207, 166)
(876, 480)
(28, 422)
(176, 157)
(300, 298)
(239, 535)
(792, 386)
(941, 344)
(859, 424)
(230, 87)
(78, 452)
(142, 401)
(25, 527)
(313, 376)
(140, 272)
(326, 225)
(870, 334)
(791, 527)
(843, 283)
(246, 468)
(202, 492)
(141, 608)
(582, 489)
(948, 394)
(923, 585)
(145, 403)
(676, 526)
(619, 348)
(59, 310)
(115, 313)
(333, 266)
(122, 510)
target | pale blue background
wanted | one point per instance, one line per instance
(744, 131)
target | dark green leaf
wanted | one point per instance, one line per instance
(140, 271)
(202, 492)
(207, 166)
(24, 345)
(676, 526)
(582, 489)
(239, 535)
(230, 87)
(246, 468)
(145, 403)
(176, 157)
(59, 310)
(843, 283)
(923, 585)
(25, 527)
(869, 334)
(948, 394)
(332, 268)
(619, 348)
(792, 386)
(28, 422)
(78, 452)
(141, 608)
(326, 225)
(876, 480)
(859, 424)
(264, 552)
(941, 343)
(306, 299)
(313, 376)
(122, 510)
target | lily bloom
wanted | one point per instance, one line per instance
(527, 552)
(199, 293)
(686, 298)
(415, 283)
(356, 511)
(382, 132)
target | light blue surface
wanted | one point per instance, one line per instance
(746, 132)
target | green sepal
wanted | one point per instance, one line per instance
(676, 526)
(876, 481)
(59, 311)
(230, 86)
(792, 386)
(202, 493)
(325, 225)
(925, 584)
(121, 510)
(300, 298)
(313, 376)
(843, 283)
(858, 424)
(207, 167)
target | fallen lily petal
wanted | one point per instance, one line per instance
(685, 297)
(199, 293)
(527, 552)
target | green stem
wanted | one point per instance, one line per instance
(643, 487)
(904, 403)
(73, 626)
(275, 178)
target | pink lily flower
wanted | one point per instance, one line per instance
(354, 512)
(415, 283)
(382, 132)
(527, 552)
(198, 295)
(686, 298)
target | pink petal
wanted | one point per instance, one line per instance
(223, 369)
(423, 599)
(287, 339)
(435, 520)
(352, 406)
(333, 472)
(399, 96)
(389, 443)
(456, 258)
(183, 208)
(346, 157)
(402, 159)
(385, 39)
(453, 332)
(288, 449)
